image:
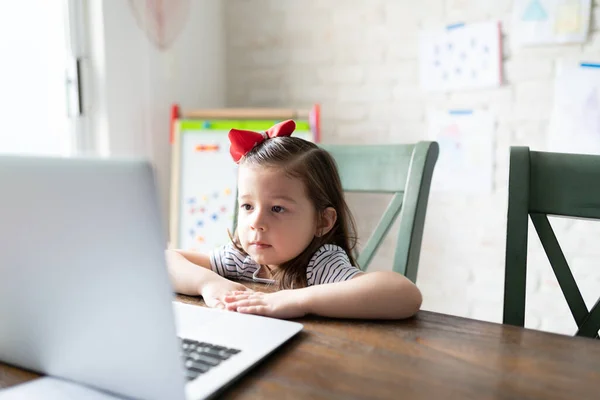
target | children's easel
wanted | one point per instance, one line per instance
(203, 175)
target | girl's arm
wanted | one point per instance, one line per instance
(200, 259)
(186, 273)
(191, 274)
(374, 295)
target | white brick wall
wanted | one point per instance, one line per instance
(358, 58)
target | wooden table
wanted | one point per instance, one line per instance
(427, 357)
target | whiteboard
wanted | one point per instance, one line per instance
(204, 182)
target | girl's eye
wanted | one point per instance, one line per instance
(246, 207)
(277, 209)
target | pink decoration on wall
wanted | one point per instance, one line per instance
(161, 20)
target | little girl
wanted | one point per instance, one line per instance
(294, 229)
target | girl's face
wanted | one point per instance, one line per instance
(276, 219)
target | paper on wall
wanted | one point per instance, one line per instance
(466, 159)
(461, 56)
(575, 120)
(537, 22)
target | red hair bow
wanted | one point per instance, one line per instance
(244, 141)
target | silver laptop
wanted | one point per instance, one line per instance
(84, 289)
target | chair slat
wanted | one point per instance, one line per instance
(382, 228)
(516, 238)
(414, 208)
(591, 325)
(565, 184)
(373, 168)
(561, 267)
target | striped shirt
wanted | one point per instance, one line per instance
(329, 264)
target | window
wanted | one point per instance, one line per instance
(39, 90)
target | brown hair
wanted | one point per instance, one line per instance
(317, 169)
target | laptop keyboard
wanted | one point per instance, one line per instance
(200, 357)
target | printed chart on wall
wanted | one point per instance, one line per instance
(208, 180)
(550, 21)
(575, 121)
(461, 56)
(466, 159)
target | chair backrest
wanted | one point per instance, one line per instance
(542, 184)
(404, 170)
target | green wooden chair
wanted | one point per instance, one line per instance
(542, 184)
(404, 170)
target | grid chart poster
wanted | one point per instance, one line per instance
(465, 163)
(208, 181)
(575, 120)
(538, 22)
(461, 56)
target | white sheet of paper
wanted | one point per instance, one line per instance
(575, 121)
(466, 159)
(460, 57)
(53, 389)
(537, 22)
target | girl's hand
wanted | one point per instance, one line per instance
(214, 292)
(282, 304)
